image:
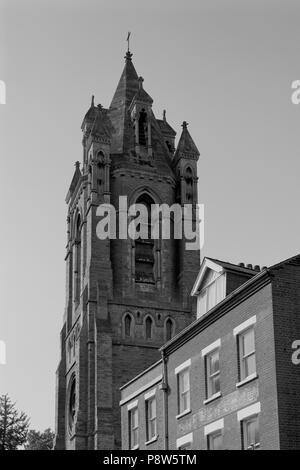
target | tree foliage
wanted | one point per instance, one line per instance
(13, 425)
(40, 440)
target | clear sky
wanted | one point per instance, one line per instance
(224, 66)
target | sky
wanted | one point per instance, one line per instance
(224, 66)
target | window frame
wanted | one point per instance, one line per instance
(209, 437)
(210, 376)
(204, 293)
(134, 432)
(244, 433)
(184, 368)
(243, 357)
(149, 419)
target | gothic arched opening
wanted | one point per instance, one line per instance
(143, 128)
(148, 327)
(144, 247)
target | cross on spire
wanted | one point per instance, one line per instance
(128, 41)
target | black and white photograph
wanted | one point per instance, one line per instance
(150, 234)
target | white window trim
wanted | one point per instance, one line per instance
(184, 365)
(244, 326)
(212, 398)
(150, 394)
(187, 439)
(247, 379)
(251, 410)
(211, 347)
(132, 405)
(185, 412)
(213, 427)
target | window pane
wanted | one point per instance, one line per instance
(134, 429)
(216, 384)
(220, 287)
(213, 373)
(248, 342)
(202, 303)
(211, 293)
(214, 362)
(184, 391)
(251, 433)
(215, 441)
(250, 365)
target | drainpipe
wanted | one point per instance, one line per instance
(165, 389)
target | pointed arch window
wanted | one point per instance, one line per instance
(143, 128)
(169, 329)
(148, 327)
(77, 260)
(128, 325)
(144, 247)
(189, 184)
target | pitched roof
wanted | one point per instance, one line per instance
(218, 265)
(165, 127)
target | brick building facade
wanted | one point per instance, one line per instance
(228, 380)
(124, 298)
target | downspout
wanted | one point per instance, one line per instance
(165, 389)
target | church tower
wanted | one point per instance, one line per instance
(124, 297)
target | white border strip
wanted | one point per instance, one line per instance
(132, 405)
(187, 439)
(249, 411)
(150, 394)
(183, 366)
(215, 426)
(211, 347)
(243, 326)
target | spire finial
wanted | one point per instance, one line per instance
(128, 39)
(93, 101)
(184, 125)
(128, 54)
(164, 115)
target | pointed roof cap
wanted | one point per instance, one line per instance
(126, 89)
(186, 146)
(91, 114)
(128, 84)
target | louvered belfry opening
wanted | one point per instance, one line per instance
(144, 248)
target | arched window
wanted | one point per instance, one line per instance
(143, 128)
(148, 327)
(77, 261)
(189, 184)
(169, 329)
(144, 248)
(72, 404)
(128, 325)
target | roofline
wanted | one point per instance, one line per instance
(141, 374)
(230, 268)
(235, 298)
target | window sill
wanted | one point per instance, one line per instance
(247, 379)
(212, 398)
(186, 412)
(153, 439)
